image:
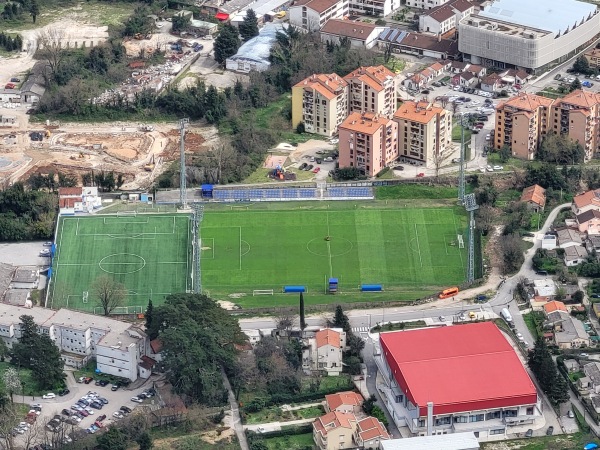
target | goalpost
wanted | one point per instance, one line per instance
(126, 213)
(256, 292)
(461, 243)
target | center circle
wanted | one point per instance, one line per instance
(122, 263)
(337, 246)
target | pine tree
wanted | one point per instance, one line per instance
(302, 319)
(249, 26)
(226, 44)
(34, 10)
(148, 314)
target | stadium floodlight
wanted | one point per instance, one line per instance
(471, 206)
(471, 202)
(182, 177)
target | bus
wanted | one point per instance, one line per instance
(450, 292)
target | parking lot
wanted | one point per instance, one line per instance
(54, 406)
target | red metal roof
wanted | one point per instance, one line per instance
(458, 368)
(222, 16)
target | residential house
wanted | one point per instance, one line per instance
(323, 352)
(575, 255)
(549, 242)
(311, 15)
(334, 431)
(568, 237)
(458, 66)
(592, 243)
(372, 89)
(72, 200)
(515, 76)
(595, 403)
(344, 402)
(593, 58)
(535, 197)
(554, 305)
(569, 332)
(25, 278)
(477, 70)
(18, 297)
(491, 83)
(465, 79)
(370, 432)
(586, 201)
(589, 222)
(254, 336)
(320, 102)
(544, 287)
(572, 365)
(418, 44)
(369, 142)
(592, 373)
(359, 34)
(379, 8)
(415, 82)
(424, 131)
(521, 123)
(443, 18)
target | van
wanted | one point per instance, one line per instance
(450, 292)
(472, 315)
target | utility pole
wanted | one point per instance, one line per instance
(461, 176)
(182, 180)
(197, 217)
(471, 206)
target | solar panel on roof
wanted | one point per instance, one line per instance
(393, 34)
(401, 37)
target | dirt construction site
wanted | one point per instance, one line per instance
(140, 153)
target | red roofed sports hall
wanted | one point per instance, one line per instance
(456, 379)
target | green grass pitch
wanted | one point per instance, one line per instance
(407, 249)
(150, 254)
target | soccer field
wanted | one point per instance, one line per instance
(149, 254)
(258, 248)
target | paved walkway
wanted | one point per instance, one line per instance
(302, 406)
(236, 420)
(276, 426)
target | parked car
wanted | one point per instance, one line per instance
(101, 418)
(498, 168)
(529, 433)
(88, 380)
(115, 387)
(442, 319)
(104, 383)
(49, 395)
(103, 400)
(317, 169)
(420, 175)
(63, 392)
(550, 430)
(118, 415)
(136, 399)
(125, 409)
(570, 414)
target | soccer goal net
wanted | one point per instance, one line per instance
(126, 213)
(461, 243)
(262, 292)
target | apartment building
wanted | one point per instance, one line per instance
(593, 58)
(323, 352)
(372, 89)
(321, 103)
(311, 15)
(576, 115)
(424, 131)
(368, 141)
(117, 346)
(521, 122)
(445, 17)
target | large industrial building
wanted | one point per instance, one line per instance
(462, 378)
(532, 35)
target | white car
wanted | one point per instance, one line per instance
(498, 168)
(137, 400)
(76, 418)
(49, 395)
(334, 141)
(90, 411)
(118, 415)
(442, 319)
(34, 411)
(159, 25)
(19, 430)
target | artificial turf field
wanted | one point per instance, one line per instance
(150, 254)
(266, 246)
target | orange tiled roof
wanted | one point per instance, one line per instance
(328, 85)
(527, 102)
(371, 428)
(554, 305)
(69, 191)
(367, 123)
(333, 420)
(420, 111)
(328, 337)
(587, 198)
(374, 76)
(535, 194)
(583, 99)
(334, 401)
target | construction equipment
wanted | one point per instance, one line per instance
(150, 166)
(147, 128)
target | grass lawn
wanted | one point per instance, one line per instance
(275, 414)
(191, 442)
(341, 382)
(149, 254)
(30, 386)
(559, 442)
(531, 321)
(415, 191)
(294, 442)
(456, 133)
(267, 246)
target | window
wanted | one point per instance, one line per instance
(529, 411)
(476, 418)
(443, 420)
(497, 431)
(421, 423)
(460, 419)
(492, 415)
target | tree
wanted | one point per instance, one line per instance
(226, 43)
(109, 293)
(575, 85)
(198, 340)
(302, 319)
(439, 159)
(578, 296)
(340, 320)
(284, 322)
(113, 439)
(50, 42)
(249, 26)
(12, 382)
(144, 440)
(34, 10)
(504, 153)
(484, 218)
(582, 65)
(551, 381)
(511, 249)
(181, 22)
(148, 316)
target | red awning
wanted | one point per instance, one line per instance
(222, 16)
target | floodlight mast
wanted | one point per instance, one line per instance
(182, 171)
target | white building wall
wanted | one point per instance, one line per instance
(117, 361)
